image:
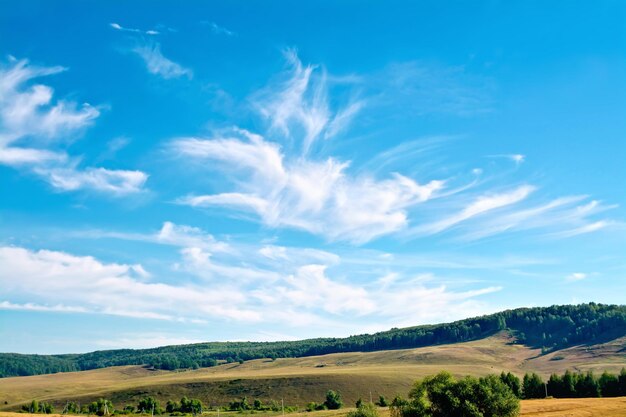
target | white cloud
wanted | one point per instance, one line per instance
(158, 64)
(116, 182)
(477, 207)
(517, 158)
(316, 196)
(584, 229)
(145, 341)
(220, 30)
(84, 284)
(299, 104)
(119, 27)
(577, 276)
(55, 281)
(560, 216)
(169, 234)
(32, 127)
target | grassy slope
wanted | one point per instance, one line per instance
(300, 380)
(576, 407)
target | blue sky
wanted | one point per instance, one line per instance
(268, 170)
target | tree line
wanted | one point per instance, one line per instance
(574, 385)
(548, 328)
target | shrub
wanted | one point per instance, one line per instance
(365, 410)
(443, 396)
(333, 400)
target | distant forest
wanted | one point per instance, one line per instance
(549, 328)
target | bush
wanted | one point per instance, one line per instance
(333, 400)
(443, 396)
(365, 410)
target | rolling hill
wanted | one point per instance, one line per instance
(548, 328)
(579, 338)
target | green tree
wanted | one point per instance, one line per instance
(512, 382)
(149, 405)
(609, 385)
(102, 407)
(533, 386)
(172, 406)
(443, 396)
(333, 400)
(71, 408)
(622, 382)
(382, 401)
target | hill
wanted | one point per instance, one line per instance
(301, 380)
(546, 328)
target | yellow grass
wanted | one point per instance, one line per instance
(301, 380)
(575, 407)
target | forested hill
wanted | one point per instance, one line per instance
(550, 328)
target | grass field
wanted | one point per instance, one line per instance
(576, 407)
(301, 380)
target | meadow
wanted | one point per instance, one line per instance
(302, 380)
(575, 407)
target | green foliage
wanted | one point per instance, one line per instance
(149, 405)
(382, 401)
(359, 402)
(172, 406)
(549, 328)
(443, 396)
(333, 400)
(583, 385)
(364, 410)
(193, 406)
(512, 382)
(37, 407)
(533, 386)
(239, 405)
(313, 406)
(71, 408)
(101, 407)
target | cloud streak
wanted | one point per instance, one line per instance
(31, 124)
(316, 196)
(158, 64)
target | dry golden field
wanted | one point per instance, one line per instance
(576, 407)
(301, 380)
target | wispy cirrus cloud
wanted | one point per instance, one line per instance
(158, 64)
(421, 88)
(219, 30)
(517, 158)
(479, 206)
(316, 196)
(283, 180)
(119, 27)
(298, 104)
(33, 130)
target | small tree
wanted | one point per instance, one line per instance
(333, 400)
(382, 401)
(359, 402)
(512, 382)
(533, 386)
(148, 405)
